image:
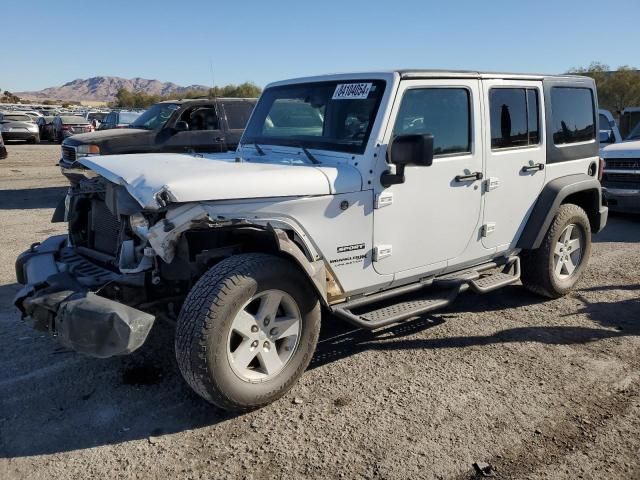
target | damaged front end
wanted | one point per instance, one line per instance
(89, 288)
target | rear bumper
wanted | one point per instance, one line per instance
(57, 296)
(19, 135)
(622, 200)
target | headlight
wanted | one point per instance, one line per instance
(139, 225)
(87, 150)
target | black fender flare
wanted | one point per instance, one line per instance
(552, 196)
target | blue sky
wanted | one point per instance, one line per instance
(47, 43)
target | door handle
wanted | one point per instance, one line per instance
(533, 168)
(471, 177)
(219, 139)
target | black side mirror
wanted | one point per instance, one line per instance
(407, 150)
(181, 126)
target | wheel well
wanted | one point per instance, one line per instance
(589, 201)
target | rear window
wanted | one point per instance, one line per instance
(573, 115)
(73, 120)
(238, 114)
(17, 118)
(128, 117)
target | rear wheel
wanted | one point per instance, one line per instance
(557, 265)
(247, 331)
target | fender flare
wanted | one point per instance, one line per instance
(552, 196)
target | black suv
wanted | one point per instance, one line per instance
(209, 125)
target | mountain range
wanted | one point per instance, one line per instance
(104, 89)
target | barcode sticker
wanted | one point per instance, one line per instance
(350, 91)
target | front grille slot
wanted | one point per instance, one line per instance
(68, 153)
(623, 163)
(104, 229)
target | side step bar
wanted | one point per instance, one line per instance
(388, 312)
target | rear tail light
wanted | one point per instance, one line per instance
(600, 168)
(66, 127)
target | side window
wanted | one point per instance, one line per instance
(238, 114)
(604, 123)
(573, 115)
(515, 117)
(443, 112)
(204, 118)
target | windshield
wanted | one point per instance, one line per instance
(155, 117)
(78, 120)
(634, 134)
(327, 116)
(96, 116)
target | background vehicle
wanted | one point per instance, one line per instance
(65, 126)
(376, 196)
(629, 118)
(609, 132)
(621, 178)
(173, 126)
(3, 149)
(118, 119)
(45, 127)
(18, 126)
(95, 118)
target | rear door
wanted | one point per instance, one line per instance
(515, 158)
(235, 115)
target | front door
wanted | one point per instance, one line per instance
(515, 158)
(433, 217)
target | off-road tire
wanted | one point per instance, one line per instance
(538, 265)
(205, 319)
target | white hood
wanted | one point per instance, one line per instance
(628, 149)
(190, 178)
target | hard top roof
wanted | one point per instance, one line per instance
(204, 99)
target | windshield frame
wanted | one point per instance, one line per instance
(313, 142)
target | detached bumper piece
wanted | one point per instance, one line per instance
(57, 297)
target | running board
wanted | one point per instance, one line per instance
(381, 309)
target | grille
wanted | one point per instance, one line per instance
(105, 229)
(68, 154)
(631, 163)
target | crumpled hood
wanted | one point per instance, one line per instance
(630, 148)
(175, 177)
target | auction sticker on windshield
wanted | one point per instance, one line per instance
(350, 91)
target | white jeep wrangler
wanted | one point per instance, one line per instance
(377, 197)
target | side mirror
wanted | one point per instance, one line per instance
(407, 150)
(606, 136)
(181, 126)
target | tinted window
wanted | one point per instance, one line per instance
(204, 118)
(237, 113)
(128, 117)
(604, 123)
(573, 115)
(442, 112)
(514, 117)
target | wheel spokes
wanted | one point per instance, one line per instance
(244, 354)
(566, 236)
(574, 245)
(286, 327)
(243, 323)
(270, 360)
(269, 305)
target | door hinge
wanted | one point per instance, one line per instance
(381, 251)
(383, 199)
(488, 229)
(491, 183)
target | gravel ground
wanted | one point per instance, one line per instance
(537, 389)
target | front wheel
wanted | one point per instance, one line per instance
(554, 268)
(247, 331)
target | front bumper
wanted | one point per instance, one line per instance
(622, 199)
(57, 296)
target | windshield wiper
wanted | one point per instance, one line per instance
(259, 149)
(309, 155)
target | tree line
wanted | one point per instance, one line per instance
(128, 99)
(617, 89)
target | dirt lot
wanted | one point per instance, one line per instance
(537, 389)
